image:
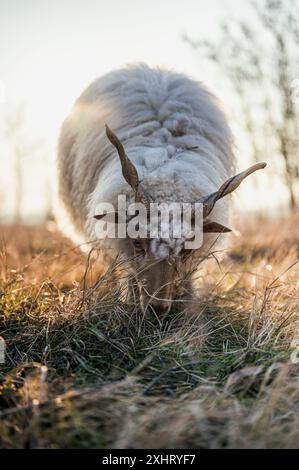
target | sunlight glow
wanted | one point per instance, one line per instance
(55, 51)
(2, 92)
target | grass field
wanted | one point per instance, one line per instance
(85, 369)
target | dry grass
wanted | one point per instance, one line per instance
(85, 369)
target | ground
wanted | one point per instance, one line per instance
(83, 368)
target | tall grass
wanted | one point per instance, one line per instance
(85, 368)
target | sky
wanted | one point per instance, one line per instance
(51, 50)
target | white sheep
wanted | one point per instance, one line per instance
(173, 144)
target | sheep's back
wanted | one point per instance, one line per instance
(167, 123)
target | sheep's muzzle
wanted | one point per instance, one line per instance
(156, 286)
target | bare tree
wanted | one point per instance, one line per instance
(21, 148)
(260, 60)
(14, 128)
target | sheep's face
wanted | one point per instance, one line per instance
(158, 267)
(161, 251)
(158, 245)
(163, 263)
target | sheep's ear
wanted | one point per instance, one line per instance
(214, 227)
(100, 216)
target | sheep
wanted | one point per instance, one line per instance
(154, 136)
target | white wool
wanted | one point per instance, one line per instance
(172, 129)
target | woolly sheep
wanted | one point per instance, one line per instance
(170, 129)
